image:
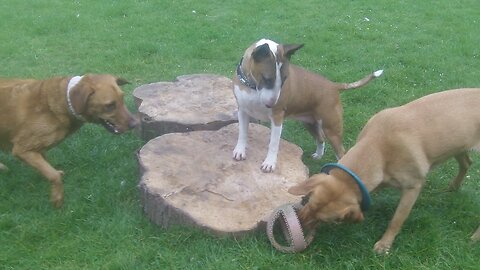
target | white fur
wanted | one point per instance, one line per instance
(254, 103)
(239, 152)
(71, 84)
(249, 101)
(270, 96)
(320, 151)
(271, 44)
(270, 161)
(378, 73)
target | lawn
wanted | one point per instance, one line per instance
(423, 46)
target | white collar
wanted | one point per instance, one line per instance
(72, 83)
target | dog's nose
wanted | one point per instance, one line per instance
(270, 103)
(133, 122)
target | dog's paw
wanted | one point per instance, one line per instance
(58, 203)
(57, 198)
(239, 154)
(239, 151)
(268, 166)
(56, 192)
(320, 151)
(476, 236)
(3, 167)
(382, 248)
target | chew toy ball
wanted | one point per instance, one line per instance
(286, 217)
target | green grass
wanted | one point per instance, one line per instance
(424, 47)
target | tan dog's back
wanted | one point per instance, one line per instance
(450, 118)
(12, 92)
(419, 135)
(20, 101)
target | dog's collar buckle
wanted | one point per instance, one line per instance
(243, 78)
(366, 200)
(72, 83)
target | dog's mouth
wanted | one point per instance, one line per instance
(110, 126)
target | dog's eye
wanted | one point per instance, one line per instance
(110, 106)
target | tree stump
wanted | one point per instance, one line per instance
(192, 102)
(191, 179)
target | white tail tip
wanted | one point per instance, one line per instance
(378, 73)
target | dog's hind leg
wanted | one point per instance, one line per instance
(332, 128)
(476, 236)
(316, 131)
(334, 136)
(37, 161)
(464, 163)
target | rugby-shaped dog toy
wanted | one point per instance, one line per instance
(286, 217)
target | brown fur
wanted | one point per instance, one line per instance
(34, 117)
(304, 95)
(398, 147)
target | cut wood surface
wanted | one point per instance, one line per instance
(191, 179)
(192, 102)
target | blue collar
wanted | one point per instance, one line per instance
(366, 201)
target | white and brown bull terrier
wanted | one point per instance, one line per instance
(268, 87)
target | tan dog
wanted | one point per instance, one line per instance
(35, 115)
(397, 148)
(268, 88)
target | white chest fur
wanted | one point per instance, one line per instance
(249, 101)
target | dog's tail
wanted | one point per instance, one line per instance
(362, 82)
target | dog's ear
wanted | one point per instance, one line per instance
(261, 52)
(79, 97)
(290, 49)
(304, 188)
(121, 81)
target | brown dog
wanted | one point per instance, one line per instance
(397, 147)
(35, 115)
(267, 87)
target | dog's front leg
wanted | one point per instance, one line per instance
(239, 153)
(407, 200)
(37, 161)
(270, 161)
